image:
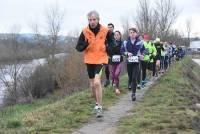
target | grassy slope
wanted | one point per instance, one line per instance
(169, 106)
(51, 116)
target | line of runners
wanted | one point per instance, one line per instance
(104, 48)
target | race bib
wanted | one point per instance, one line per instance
(133, 59)
(116, 58)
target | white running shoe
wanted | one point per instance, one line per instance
(99, 112)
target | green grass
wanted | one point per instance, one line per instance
(54, 116)
(169, 106)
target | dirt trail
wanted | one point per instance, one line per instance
(106, 124)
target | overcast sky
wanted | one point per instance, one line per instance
(26, 12)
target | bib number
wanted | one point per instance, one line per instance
(116, 58)
(133, 59)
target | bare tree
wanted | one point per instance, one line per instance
(167, 13)
(188, 29)
(54, 19)
(9, 74)
(145, 20)
(175, 36)
(157, 20)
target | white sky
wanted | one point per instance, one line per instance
(26, 12)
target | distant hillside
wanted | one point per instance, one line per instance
(30, 38)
